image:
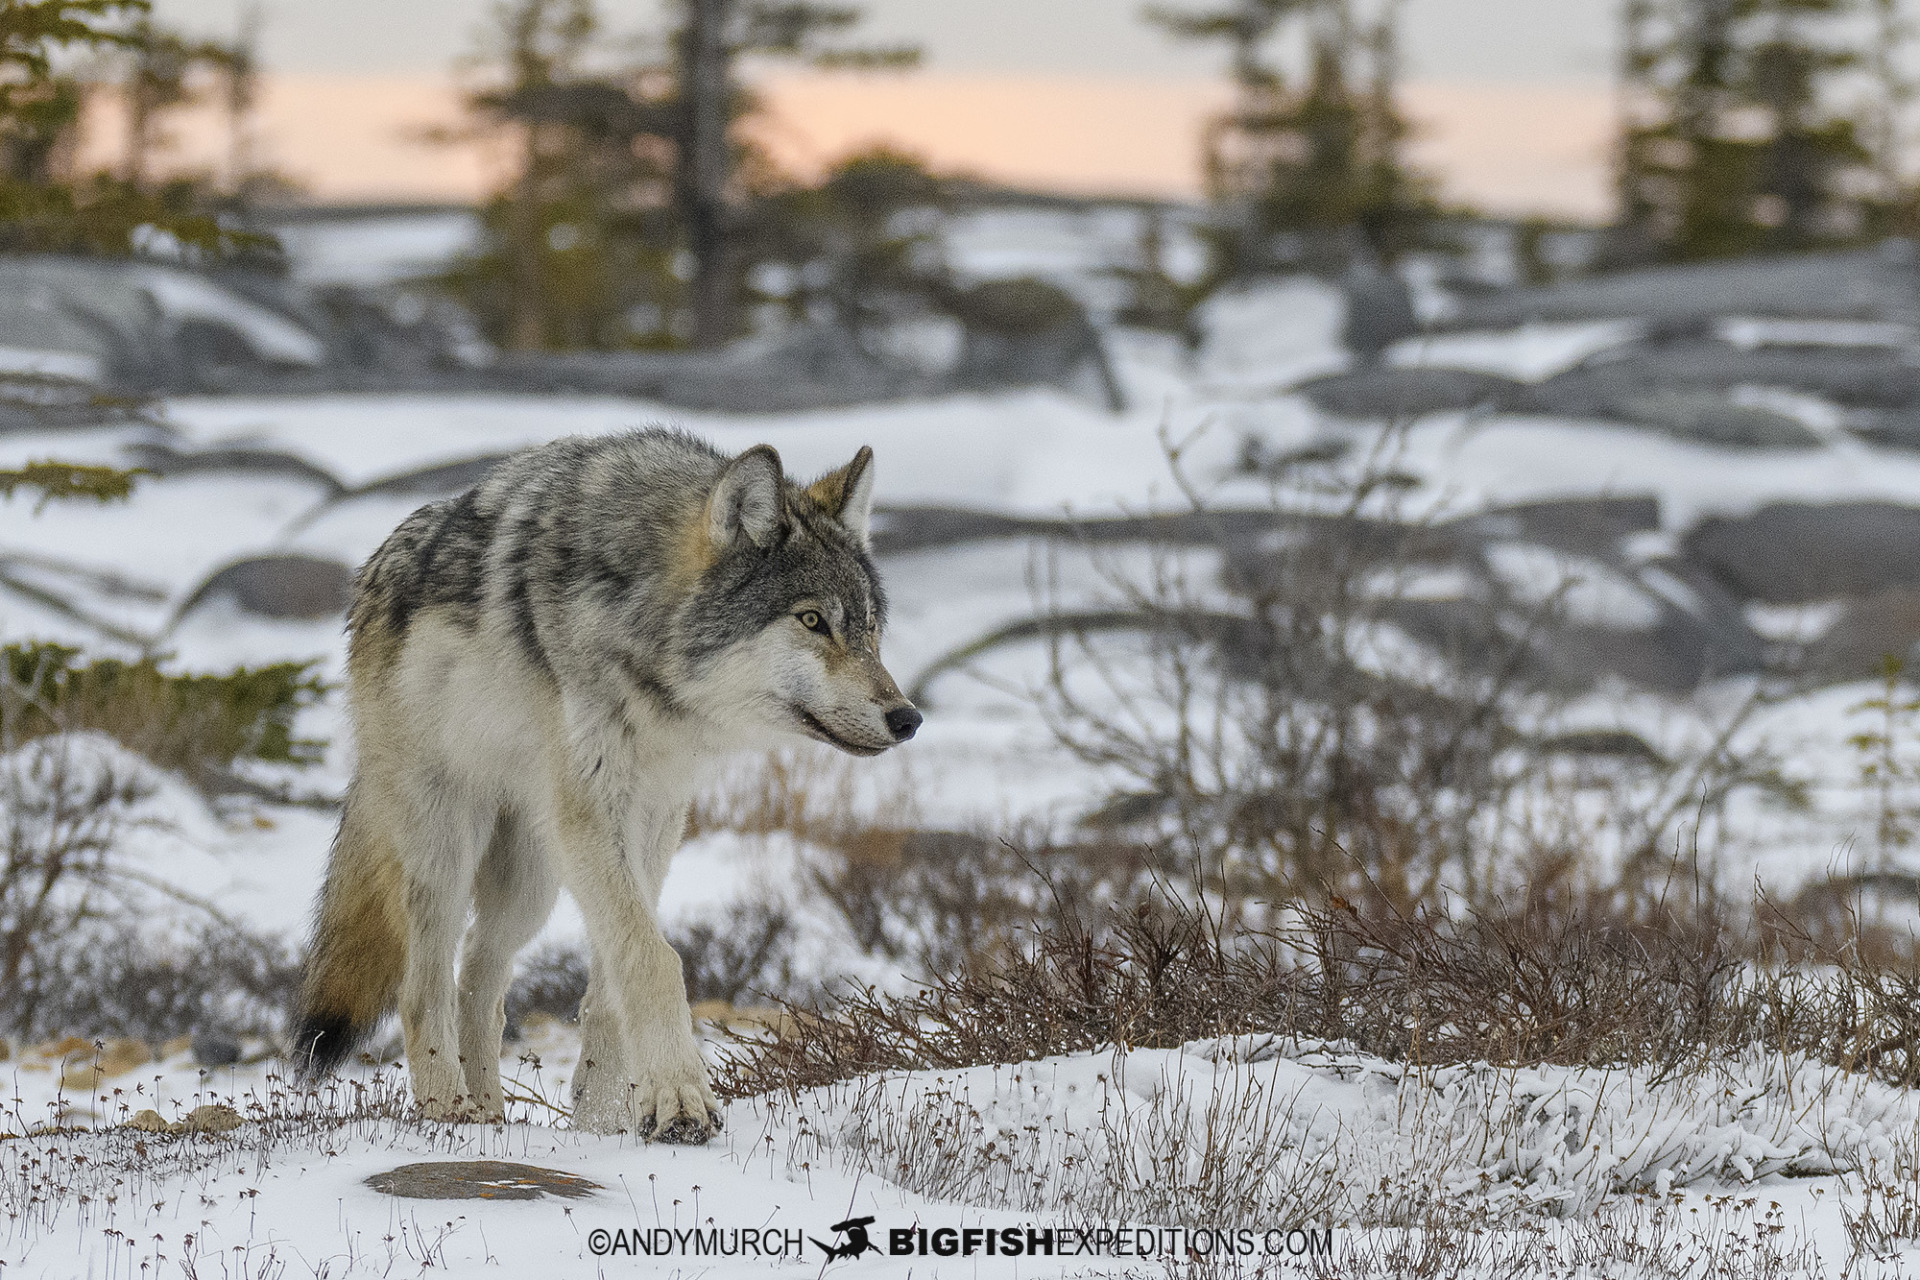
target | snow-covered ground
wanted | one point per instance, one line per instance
(1301, 1155)
(1727, 1155)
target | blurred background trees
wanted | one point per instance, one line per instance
(638, 209)
(1308, 168)
(1758, 126)
(57, 54)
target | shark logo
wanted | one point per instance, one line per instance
(855, 1230)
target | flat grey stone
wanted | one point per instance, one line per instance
(280, 586)
(479, 1180)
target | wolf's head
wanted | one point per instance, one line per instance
(784, 626)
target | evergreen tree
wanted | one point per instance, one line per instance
(1740, 137)
(580, 240)
(709, 44)
(635, 212)
(44, 203)
(1314, 172)
(848, 247)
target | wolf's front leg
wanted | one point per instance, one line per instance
(646, 1074)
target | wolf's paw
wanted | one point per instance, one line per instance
(683, 1113)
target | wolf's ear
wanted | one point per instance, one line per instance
(745, 504)
(847, 494)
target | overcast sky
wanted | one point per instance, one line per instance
(1510, 97)
(1509, 40)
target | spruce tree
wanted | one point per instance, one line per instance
(1309, 167)
(1740, 136)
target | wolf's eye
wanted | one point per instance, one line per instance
(812, 621)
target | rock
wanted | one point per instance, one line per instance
(1386, 392)
(1865, 378)
(1026, 332)
(1888, 428)
(812, 366)
(1795, 553)
(1867, 632)
(283, 586)
(215, 1049)
(479, 1180)
(214, 1117)
(1880, 283)
(1708, 417)
(1583, 526)
(1379, 310)
(150, 1121)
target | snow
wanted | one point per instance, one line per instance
(1530, 354)
(182, 295)
(1575, 1145)
(379, 249)
(1766, 331)
(1246, 1134)
(76, 365)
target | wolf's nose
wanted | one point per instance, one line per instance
(903, 722)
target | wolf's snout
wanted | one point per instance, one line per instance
(903, 723)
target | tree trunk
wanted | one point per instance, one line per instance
(705, 85)
(527, 329)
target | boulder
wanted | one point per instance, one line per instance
(442, 480)
(1879, 283)
(1026, 332)
(215, 1049)
(282, 586)
(1388, 392)
(479, 1180)
(1795, 553)
(1860, 377)
(1583, 526)
(1379, 311)
(1867, 632)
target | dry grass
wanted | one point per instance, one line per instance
(1578, 981)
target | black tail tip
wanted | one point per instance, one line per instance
(322, 1043)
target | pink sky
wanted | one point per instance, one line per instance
(1510, 147)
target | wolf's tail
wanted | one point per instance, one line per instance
(359, 950)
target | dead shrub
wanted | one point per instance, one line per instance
(1574, 981)
(934, 899)
(106, 983)
(1342, 696)
(747, 951)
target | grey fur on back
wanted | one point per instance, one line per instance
(577, 548)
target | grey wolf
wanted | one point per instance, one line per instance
(540, 672)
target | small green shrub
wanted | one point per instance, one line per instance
(64, 481)
(200, 725)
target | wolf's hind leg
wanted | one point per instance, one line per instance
(440, 849)
(513, 894)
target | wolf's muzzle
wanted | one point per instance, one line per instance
(903, 723)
